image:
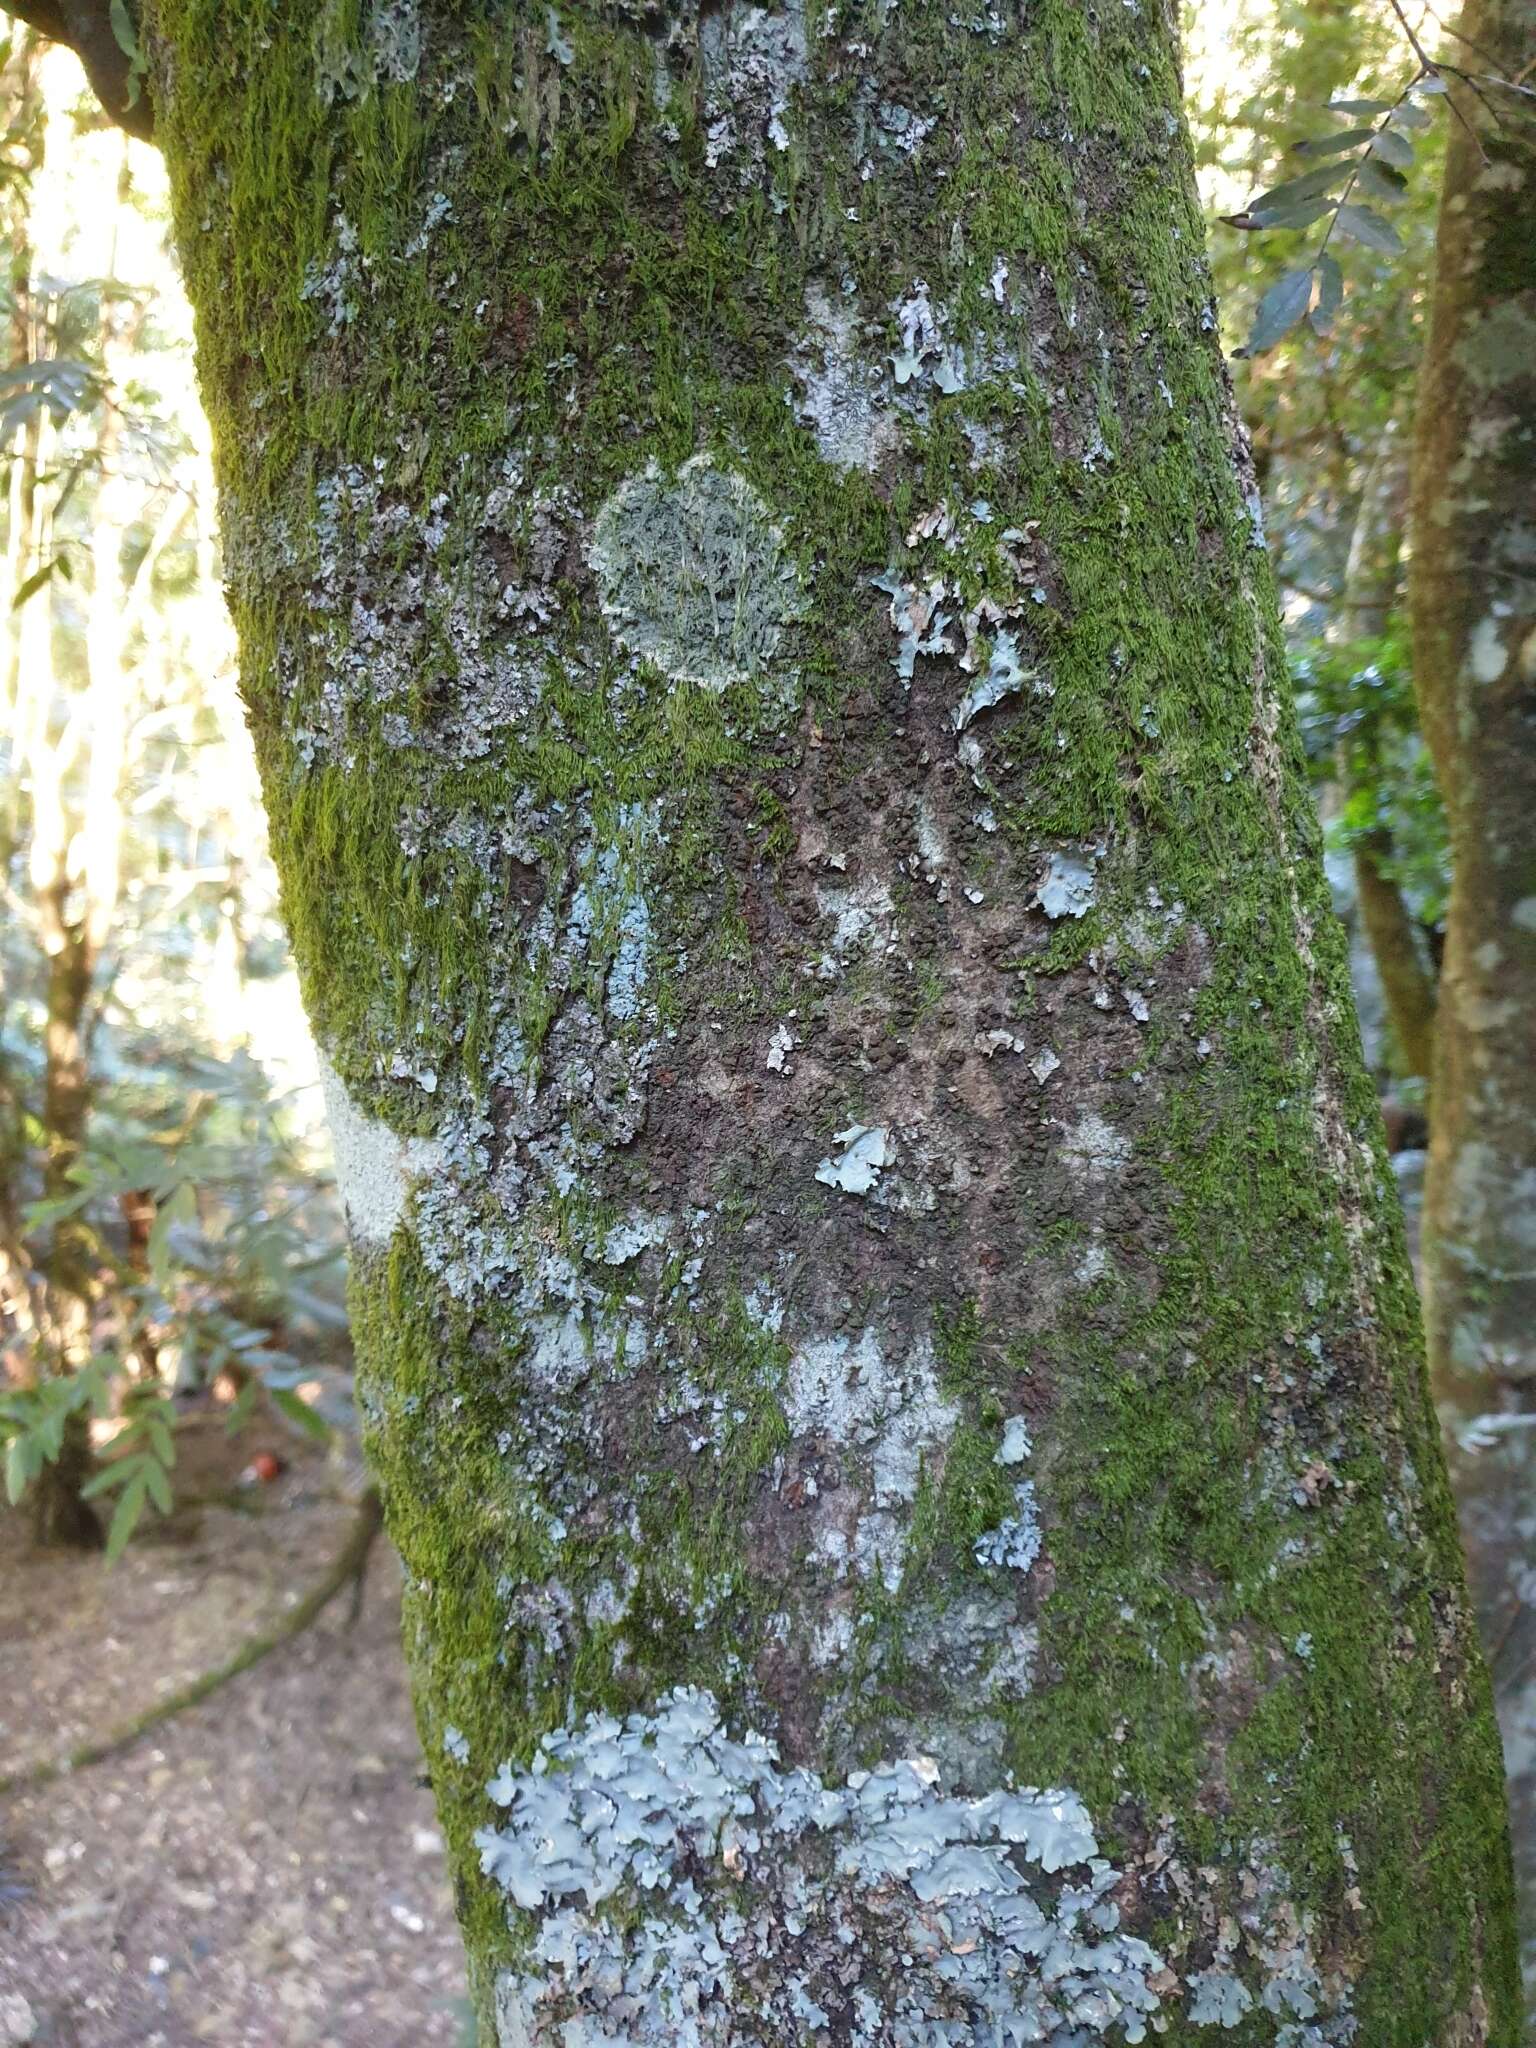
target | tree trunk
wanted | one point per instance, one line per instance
(1397, 949)
(1472, 591)
(1473, 594)
(870, 1224)
(75, 861)
(1372, 581)
(60, 1513)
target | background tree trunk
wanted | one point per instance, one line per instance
(73, 765)
(1372, 581)
(1472, 592)
(1473, 595)
(1398, 951)
(870, 1224)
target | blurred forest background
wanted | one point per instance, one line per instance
(180, 1456)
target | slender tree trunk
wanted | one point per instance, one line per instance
(24, 128)
(1472, 588)
(60, 1514)
(44, 760)
(870, 1225)
(1397, 947)
(74, 765)
(75, 857)
(1372, 582)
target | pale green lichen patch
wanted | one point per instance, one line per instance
(678, 1884)
(695, 576)
(388, 51)
(845, 403)
(866, 1153)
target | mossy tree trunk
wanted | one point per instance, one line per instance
(1472, 591)
(870, 1225)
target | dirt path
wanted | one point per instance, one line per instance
(262, 1872)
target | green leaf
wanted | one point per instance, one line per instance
(159, 1487)
(125, 1516)
(300, 1412)
(1301, 215)
(30, 585)
(180, 1207)
(1330, 290)
(1304, 187)
(110, 1476)
(268, 1363)
(1334, 145)
(1393, 148)
(1368, 227)
(1364, 107)
(1430, 82)
(38, 1215)
(99, 1392)
(1408, 115)
(1279, 310)
(1378, 180)
(123, 30)
(241, 1406)
(162, 1442)
(17, 1459)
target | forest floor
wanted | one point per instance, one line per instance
(262, 1871)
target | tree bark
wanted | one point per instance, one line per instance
(870, 1225)
(1472, 592)
(1372, 584)
(1397, 949)
(1473, 595)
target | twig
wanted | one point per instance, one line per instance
(1413, 38)
(348, 1568)
(1473, 86)
(1477, 79)
(1429, 69)
(1450, 29)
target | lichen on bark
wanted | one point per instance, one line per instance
(838, 896)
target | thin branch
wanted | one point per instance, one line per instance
(1526, 92)
(1449, 28)
(1429, 69)
(85, 26)
(43, 15)
(1413, 37)
(1474, 86)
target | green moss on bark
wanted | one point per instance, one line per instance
(614, 917)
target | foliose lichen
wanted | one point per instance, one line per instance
(682, 1887)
